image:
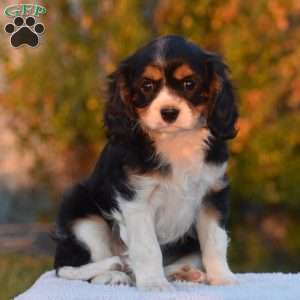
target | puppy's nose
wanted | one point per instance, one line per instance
(169, 114)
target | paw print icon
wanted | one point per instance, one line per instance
(24, 32)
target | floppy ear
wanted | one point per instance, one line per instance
(223, 111)
(118, 117)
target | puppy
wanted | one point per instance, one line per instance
(155, 206)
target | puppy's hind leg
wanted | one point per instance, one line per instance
(95, 234)
(89, 271)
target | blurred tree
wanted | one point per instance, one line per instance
(57, 92)
(57, 89)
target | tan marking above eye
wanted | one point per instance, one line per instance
(152, 72)
(182, 72)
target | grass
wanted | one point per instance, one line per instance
(19, 271)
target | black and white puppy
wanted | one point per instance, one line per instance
(155, 206)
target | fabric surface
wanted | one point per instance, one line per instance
(268, 286)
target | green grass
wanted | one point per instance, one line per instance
(19, 271)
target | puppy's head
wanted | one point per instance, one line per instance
(171, 85)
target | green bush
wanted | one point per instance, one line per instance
(19, 271)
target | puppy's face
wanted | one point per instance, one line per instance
(169, 97)
(171, 85)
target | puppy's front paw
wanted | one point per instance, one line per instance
(155, 285)
(221, 279)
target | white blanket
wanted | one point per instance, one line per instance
(251, 287)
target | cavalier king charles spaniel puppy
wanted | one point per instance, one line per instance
(155, 206)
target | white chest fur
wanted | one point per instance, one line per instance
(182, 150)
(175, 199)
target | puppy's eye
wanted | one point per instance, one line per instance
(188, 84)
(147, 86)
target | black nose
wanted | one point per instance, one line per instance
(169, 114)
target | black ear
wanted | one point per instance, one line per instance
(118, 117)
(223, 110)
